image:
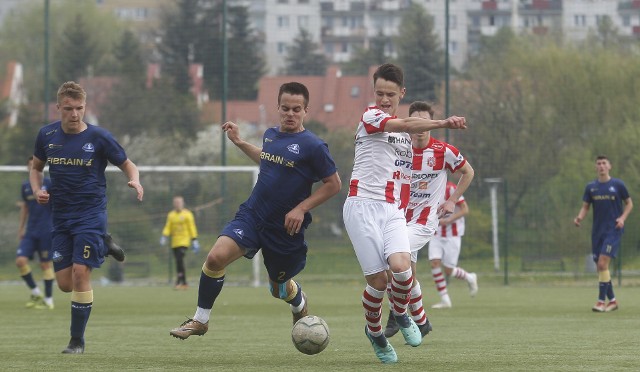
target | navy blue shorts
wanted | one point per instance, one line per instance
(32, 244)
(606, 244)
(284, 255)
(79, 241)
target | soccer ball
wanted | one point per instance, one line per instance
(310, 335)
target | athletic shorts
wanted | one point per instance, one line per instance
(377, 230)
(32, 244)
(284, 255)
(606, 244)
(79, 241)
(445, 249)
(419, 236)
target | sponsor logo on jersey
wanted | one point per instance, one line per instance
(392, 139)
(414, 194)
(268, 140)
(424, 176)
(54, 146)
(405, 153)
(290, 163)
(294, 148)
(239, 233)
(404, 163)
(88, 147)
(71, 161)
(423, 185)
(50, 132)
(397, 175)
(437, 146)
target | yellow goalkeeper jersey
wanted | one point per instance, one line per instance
(181, 227)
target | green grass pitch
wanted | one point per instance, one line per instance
(503, 329)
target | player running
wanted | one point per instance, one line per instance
(431, 161)
(374, 209)
(276, 214)
(77, 154)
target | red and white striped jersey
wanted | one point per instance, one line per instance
(382, 163)
(457, 227)
(429, 181)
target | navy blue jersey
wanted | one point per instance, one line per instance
(290, 164)
(606, 198)
(39, 216)
(76, 166)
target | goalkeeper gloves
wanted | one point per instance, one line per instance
(195, 246)
(163, 240)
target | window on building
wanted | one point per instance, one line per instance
(345, 47)
(328, 48)
(283, 1)
(626, 20)
(283, 21)
(282, 48)
(453, 22)
(303, 22)
(475, 21)
(492, 20)
(453, 47)
(580, 20)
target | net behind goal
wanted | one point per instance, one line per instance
(212, 193)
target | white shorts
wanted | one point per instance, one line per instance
(419, 236)
(445, 249)
(377, 230)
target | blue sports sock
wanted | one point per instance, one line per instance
(298, 297)
(209, 290)
(610, 294)
(48, 288)
(79, 318)
(28, 278)
(603, 290)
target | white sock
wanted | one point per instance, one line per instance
(202, 315)
(297, 309)
(36, 291)
(48, 300)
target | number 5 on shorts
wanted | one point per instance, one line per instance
(87, 251)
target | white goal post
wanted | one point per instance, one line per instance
(254, 170)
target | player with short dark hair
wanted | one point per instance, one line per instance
(373, 212)
(34, 234)
(276, 214)
(77, 153)
(607, 195)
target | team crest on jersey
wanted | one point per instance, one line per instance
(431, 161)
(294, 148)
(239, 233)
(57, 257)
(423, 185)
(612, 189)
(88, 147)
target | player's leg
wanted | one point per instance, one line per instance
(283, 267)
(88, 253)
(612, 244)
(224, 251)
(604, 277)
(451, 268)
(44, 251)
(368, 244)
(436, 253)
(181, 280)
(416, 308)
(48, 277)
(26, 250)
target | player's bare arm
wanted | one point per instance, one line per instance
(233, 133)
(330, 186)
(418, 125)
(581, 215)
(445, 211)
(36, 178)
(132, 173)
